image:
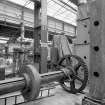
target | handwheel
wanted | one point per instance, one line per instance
(77, 80)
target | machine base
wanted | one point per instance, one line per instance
(92, 101)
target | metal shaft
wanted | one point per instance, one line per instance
(19, 83)
(51, 76)
(11, 85)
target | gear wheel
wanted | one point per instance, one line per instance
(74, 83)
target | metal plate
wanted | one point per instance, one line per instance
(83, 51)
(34, 85)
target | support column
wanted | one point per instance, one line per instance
(44, 32)
(40, 29)
(36, 31)
(22, 36)
(97, 54)
(37, 28)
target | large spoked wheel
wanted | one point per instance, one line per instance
(77, 80)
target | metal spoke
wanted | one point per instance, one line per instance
(63, 65)
(78, 78)
(72, 84)
(68, 61)
(77, 66)
(67, 81)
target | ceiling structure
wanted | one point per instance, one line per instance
(63, 10)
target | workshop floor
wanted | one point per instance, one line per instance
(60, 98)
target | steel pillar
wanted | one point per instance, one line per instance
(97, 53)
(40, 29)
(36, 34)
(44, 33)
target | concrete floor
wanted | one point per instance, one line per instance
(60, 98)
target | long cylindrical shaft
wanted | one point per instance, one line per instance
(11, 85)
(51, 76)
(19, 83)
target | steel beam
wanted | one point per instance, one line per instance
(36, 1)
(74, 1)
(67, 5)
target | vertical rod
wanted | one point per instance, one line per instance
(22, 24)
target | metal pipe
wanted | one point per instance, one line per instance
(19, 83)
